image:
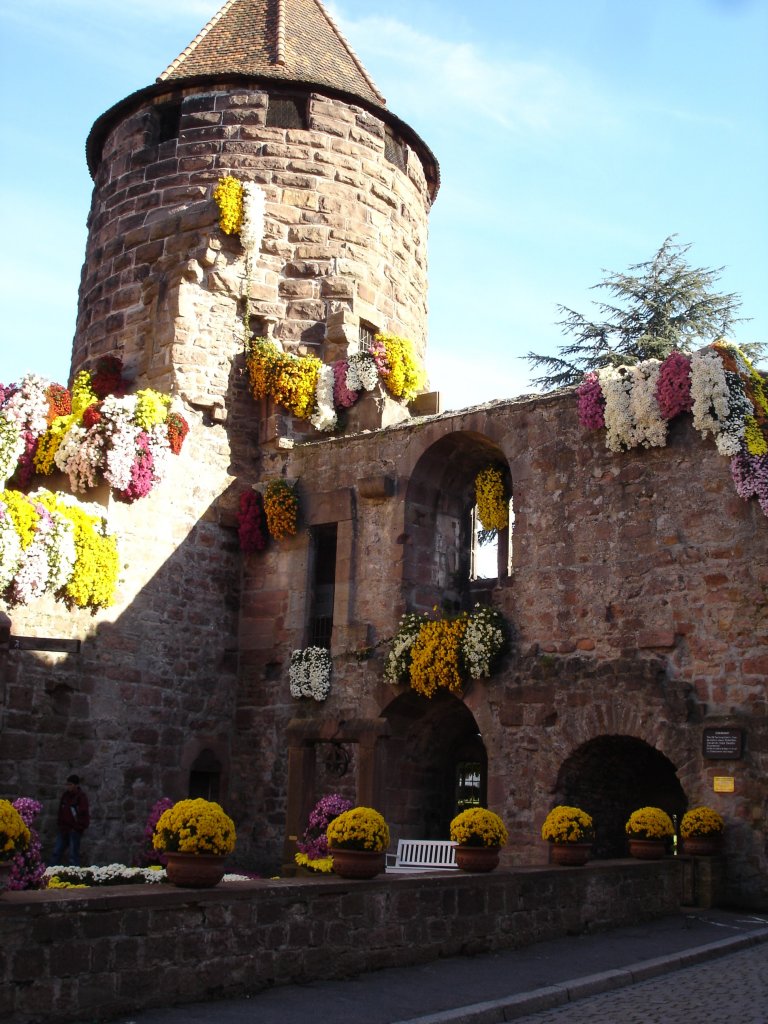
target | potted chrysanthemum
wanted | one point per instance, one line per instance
(479, 835)
(648, 829)
(358, 841)
(570, 832)
(702, 831)
(14, 838)
(195, 836)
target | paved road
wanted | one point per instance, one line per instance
(699, 966)
(730, 990)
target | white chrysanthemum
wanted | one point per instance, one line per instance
(10, 547)
(616, 385)
(650, 428)
(309, 674)
(80, 455)
(362, 373)
(324, 417)
(709, 390)
(11, 446)
(29, 405)
(252, 226)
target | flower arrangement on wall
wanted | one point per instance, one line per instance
(195, 826)
(315, 391)
(313, 846)
(717, 384)
(478, 826)
(701, 821)
(14, 833)
(309, 674)
(649, 823)
(281, 508)
(492, 503)
(27, 868)
(51, 543)
(95, 432)
(360, 828)
(444, 653)
(566, 824)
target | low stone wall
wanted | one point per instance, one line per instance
(70, 954)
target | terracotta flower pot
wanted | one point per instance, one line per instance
(195, 870)
(569, 854)
(477, 858)
(647, 849)
(357, 863)
(703, 846)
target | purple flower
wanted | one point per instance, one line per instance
(27, 868)
(343, 397)
(315, 841)
(673, 388)
(591, 403)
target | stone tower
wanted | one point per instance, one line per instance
(270, 92)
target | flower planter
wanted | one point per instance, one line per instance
(195, 870)
(703, 846)
(477, 858)
(569, 854)
(647, 849)
(357, 863)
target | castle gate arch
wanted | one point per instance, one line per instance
(611, 776)
(436, 764)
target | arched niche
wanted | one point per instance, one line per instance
(438, 537)
(429, 775)
(611, 776)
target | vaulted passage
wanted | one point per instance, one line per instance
(436, 765)
(611, 776)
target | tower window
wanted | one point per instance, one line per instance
(165, 123)
(394, 151)
(366, 336)
(287, 112)
(323, 585)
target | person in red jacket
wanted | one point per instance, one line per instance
(74, 818)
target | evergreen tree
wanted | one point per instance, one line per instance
(658, 307)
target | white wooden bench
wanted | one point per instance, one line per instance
(422, 855)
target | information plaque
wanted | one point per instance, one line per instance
(722, 744)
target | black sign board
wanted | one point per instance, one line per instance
(40, 643)
(722, 744)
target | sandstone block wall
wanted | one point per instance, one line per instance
(70, 955)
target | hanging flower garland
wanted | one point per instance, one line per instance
(717, 384)
(314, 391)
(54, 544)
(281, 507)
(492, 502)
(444, 653)
(310, 673)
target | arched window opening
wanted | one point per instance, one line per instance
(323, 589)
(205, 777)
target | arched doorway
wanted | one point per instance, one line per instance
(611, 776)
(436, 764)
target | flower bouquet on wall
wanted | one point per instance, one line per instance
(648, 830)
(309, 674)
(14, 838)
(358, 841)
(702, 830)
(570, 833)
(479, 835)
(195, 836)
(313, 847)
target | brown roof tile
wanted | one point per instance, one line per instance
(290, 40)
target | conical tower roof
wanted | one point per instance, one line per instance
(289, 40)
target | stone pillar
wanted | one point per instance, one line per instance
(301, 787)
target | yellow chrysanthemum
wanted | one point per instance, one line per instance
(403, 375)
(229, 197)
(436, 657)
(492, 500)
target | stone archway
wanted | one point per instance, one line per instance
(435, 763)
(611, 776)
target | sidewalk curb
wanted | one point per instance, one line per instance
(498, 1011)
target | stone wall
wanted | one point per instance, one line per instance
(70, 955)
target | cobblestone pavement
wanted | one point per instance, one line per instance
(730, 990)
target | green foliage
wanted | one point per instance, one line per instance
(658, 307)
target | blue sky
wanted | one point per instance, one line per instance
(572, 137)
